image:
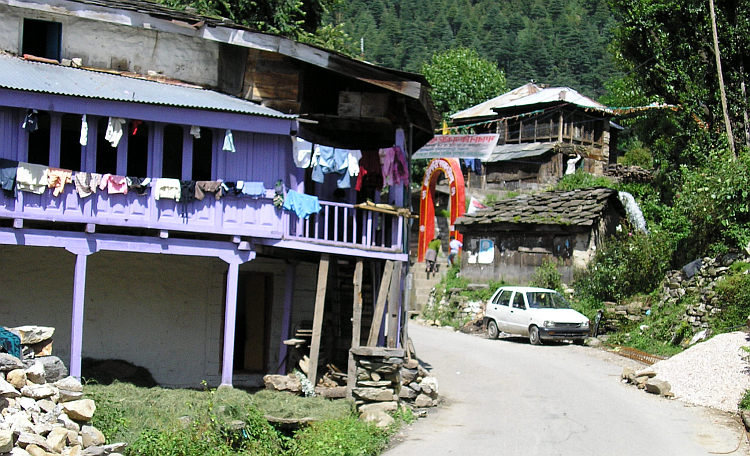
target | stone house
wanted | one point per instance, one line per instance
(543, 133)
(514, 236)
(194, 289)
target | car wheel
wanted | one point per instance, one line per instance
(492, 331)
(534, 336)
(579, 341)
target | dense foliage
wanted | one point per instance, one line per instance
(461, 79)
(551, 41)
(293, 18)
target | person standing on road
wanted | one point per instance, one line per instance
(455, 246)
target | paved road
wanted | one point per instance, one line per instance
(506, 397)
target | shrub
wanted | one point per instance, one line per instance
(346, 437)
(547, 276)
(582, 179)
(734, 295)
(627, 264)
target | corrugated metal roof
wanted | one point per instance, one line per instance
(507, 152)
(485, 108)
(528, 95)
(20, 74)
(551, 95)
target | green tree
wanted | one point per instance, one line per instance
(460, 79)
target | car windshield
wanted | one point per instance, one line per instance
(546, 300)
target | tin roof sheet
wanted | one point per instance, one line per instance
(20, 74)
(506, 152)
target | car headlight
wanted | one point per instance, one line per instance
(585, 324)
(549, 324)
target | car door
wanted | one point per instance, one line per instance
(518, 317)
(499, 307)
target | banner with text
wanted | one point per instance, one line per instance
(458, 146)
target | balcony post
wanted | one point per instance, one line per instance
(230, 318)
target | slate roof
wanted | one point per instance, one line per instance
(580, 208)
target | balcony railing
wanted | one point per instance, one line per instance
(337, 224)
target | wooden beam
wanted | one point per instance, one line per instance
(394, 306)
(351, 373)
(377, 316)
(320, 300)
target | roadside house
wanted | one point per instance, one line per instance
(195, 289)
(543, 134)
(515, 236)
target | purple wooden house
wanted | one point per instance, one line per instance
(193, 285)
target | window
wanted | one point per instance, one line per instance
(137, 149)
(38, 151)
(172, 160)
(518, 301)
(70, 145)
(503, 299)
(202, 153)
(106, 155)
(42, 38)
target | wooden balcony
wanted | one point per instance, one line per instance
(337, 224)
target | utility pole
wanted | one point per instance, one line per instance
(721, 78)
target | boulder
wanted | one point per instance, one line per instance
(38, 391)
(94, 451)
(391, 406)
(35, 373)
(422, 401)
(18, 451)
(56, 439)
(430, 386)
(113, 448)
(411, 364)
(33, 334)
(656, 386)
(592, 342)
(407, 393)
(283, 383)
(92, 436)
(9, 362)
(74, 450)
(69, 424)
(408, 375)
(377, 417)
(6, 441)
(374, 384)
(7, 390)
(35, 450)
(650, 373)
(374, 394)
(54, 369)
(80, 410)
(17, 378)
(27, 438)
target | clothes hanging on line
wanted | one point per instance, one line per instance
(167, 188)
(57, 178)
(114, 130)
(115, 185)
(370, 171)
(84, 139)
(353, 159)
(301, 204)
(86, 183)
(331, 161)
(30, 122)
(302, 152)
(252, 189)
(203, 187)
(8, 170)
(31, 178)
(139, 185)
(393, 165)
(195, 131)
(228, 145)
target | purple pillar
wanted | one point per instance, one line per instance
(286, 318)
(230, 317)
(76, 327)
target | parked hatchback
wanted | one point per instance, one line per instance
(538, 313)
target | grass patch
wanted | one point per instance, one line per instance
(183, 422)
(745, 402)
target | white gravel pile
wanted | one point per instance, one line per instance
(711, 373)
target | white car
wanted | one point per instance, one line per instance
(538, 313)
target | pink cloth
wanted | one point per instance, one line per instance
(393, 166)
(114, 184)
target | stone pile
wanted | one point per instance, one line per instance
(384, 378)
(457, 304)
(616, 315)
(645, 379)
(699, 278)
(628, 173)
(43, 413)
